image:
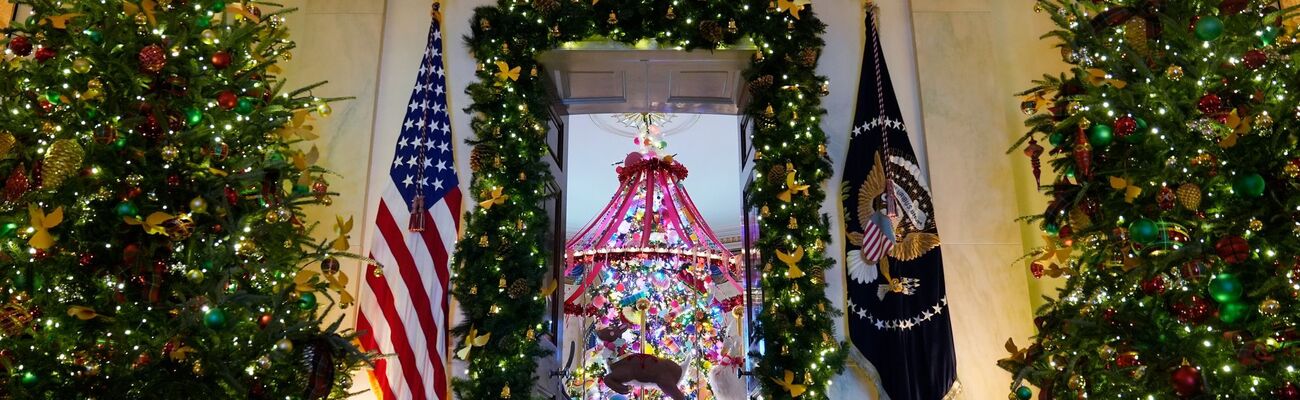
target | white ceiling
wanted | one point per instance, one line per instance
(710, 149)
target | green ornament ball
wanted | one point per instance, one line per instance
(8, 230)
(92, 112)
(1056, 139)
(217, 6)
(1100, 135)
(215, 318)
(307, 301)
(120, 143)
(29, 379)
(1268, 35)
(244, 106)
(126, 209)
(1024, 393)
(299, 189)
(53, 97)
(95, 36)
(1051, 229)
(1233, 312)
(1226, 288)
(1144, 231)
(1209, 28)
(193, 115)
(1250, 185)
(203, 21)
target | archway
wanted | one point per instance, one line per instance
(505, 238)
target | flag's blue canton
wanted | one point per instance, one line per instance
(426, 131)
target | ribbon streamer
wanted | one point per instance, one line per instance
(788, 384)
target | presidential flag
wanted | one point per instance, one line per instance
(404, 304)
(898, 315)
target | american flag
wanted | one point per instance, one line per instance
(404, 305)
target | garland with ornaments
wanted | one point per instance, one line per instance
(504, 236)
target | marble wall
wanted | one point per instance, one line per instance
(955, 64)
(971, 59)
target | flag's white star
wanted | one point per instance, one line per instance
(409, 180)
(437, 184)
(442, 165)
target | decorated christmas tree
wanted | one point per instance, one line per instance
(1173, 211)
(152, 242)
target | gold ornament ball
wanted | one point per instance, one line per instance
(273, 216)
(198, 368)
(198, 205)
(264, 362)
(1270, 307)
(284, 345)
(208, 36)
(134, 179)
(81, 65)
(1256, 224)
(246, 248)
(287, 56)
(194, 275)
(169, 153)
(1073, 108)
(1292, 170)
(324, 109)
(141, 19)
(1076, 382)
(95, 84)
(1174, 72)
(91, 94)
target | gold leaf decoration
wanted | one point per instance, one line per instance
(7, 142)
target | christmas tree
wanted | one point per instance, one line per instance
(1173, 214)
(152, 242)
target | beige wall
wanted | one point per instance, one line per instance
(969, 55)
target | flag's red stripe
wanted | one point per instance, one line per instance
(410, 273)
(439, 252)
(453, 200)
(368, 343)
(401, 345)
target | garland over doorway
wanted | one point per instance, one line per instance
(501, 275)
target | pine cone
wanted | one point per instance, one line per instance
(1189, 195)
(777, 174)
(761, 83)
(517, 289)
(546, 6)
(808, 57)
(62, 162)
(479, 157)
(711, 31)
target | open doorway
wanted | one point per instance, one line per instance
(653, 301)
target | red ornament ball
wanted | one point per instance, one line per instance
(1210, 104)
(1194, 309)
(1125, 126)
(1254, 59)
(221, 59)
(227, 100)
(21, 46)
(45, 53)
(264, 320)
(1186, 380)
(1288, 391)
(1232, 249)
(152, 59)
(85, 259)
(1154, 286)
